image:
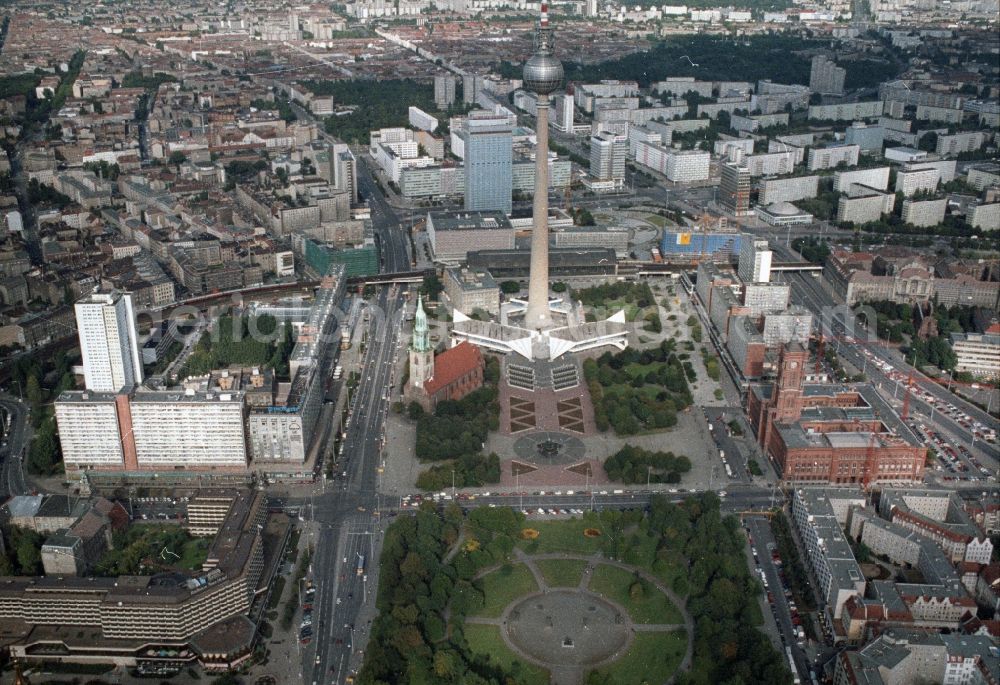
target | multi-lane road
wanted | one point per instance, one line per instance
(842, 329)
(17, 435)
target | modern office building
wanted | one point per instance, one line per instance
(166, 621)
(607, 158)
(978, 353)
(762, 298)
(453, 235)
(488, 148)
(755, 260)
(108, 341)
(563, 112)
(826, 77)
(734, 188)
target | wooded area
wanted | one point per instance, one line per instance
(635, 391)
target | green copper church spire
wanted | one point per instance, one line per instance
(421, 342)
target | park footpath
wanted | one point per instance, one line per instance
(574, 675)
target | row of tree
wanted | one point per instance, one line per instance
(633, 464)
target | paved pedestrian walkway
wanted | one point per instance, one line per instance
(568, 668)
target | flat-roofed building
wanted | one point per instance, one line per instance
(469, 290)
(453, 235)
(978, 353)
(819, 515)
(773, 190)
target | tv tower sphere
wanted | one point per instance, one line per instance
(543, 73)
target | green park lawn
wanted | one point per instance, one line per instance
(503, 586)
(652, 658)
(652, 607)
(562, 536)
(561, 572)
(486, 639)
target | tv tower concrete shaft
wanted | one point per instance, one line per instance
(537, 315)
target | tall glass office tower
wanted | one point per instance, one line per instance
(488, 143)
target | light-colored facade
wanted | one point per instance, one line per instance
(687, 166)
(755, 260)
(915, 179)
(967, 141)
(765, 298)
(985, 216)
(848, 111)
(774, 190)
(792, 325)
(89, 432)
(978, 354)
(864, 205)
(108, 341)
(832, 156)
(877, 178)
(771, 163)
(453, 235)
(924, 213)
(420, 119)
(181, 430)
(819, 515)
(617, 238)
(469, 290)
(607, 158)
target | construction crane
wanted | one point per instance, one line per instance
(820, 352)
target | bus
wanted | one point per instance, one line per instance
(791, 665)
(361, 564)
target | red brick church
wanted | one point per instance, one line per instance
(451, 375)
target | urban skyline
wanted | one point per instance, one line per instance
(431, 341)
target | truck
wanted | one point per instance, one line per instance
(361, 565)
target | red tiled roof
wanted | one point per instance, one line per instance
(452, 364)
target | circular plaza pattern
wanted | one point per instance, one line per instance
(567, 614)
(548, 448)
(567, 628)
